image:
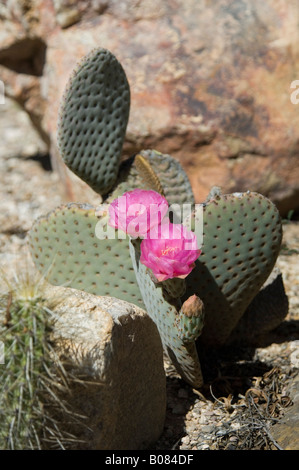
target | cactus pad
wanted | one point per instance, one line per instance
(170, 320)
(66, 250)
(173, 179)
(93, 119)
(241, 241)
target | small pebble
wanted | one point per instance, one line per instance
(208, 428)
(185, 440)
(204, 447)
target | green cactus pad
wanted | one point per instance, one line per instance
(174, 181)
(173, 288)
(241, 241)
(167, 317)
(93, 119)
(66, 250)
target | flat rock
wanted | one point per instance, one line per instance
(114, 349)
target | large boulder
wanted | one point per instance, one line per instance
(113, 352)
(210, 81)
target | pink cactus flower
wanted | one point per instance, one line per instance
(136, 212)
(170, 251)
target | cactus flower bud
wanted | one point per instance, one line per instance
(190, 321)
(192, 307)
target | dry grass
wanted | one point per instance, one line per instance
(249, 427)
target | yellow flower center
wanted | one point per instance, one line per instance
(167, 250)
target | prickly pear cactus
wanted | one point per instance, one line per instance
(241, 241)
(238, 255)
(71, 247)
(93, 119)
(64, 245)
(178, 323)
(241, 232)
(173, 179)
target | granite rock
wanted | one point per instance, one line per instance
(114, 351)
(210, 81)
